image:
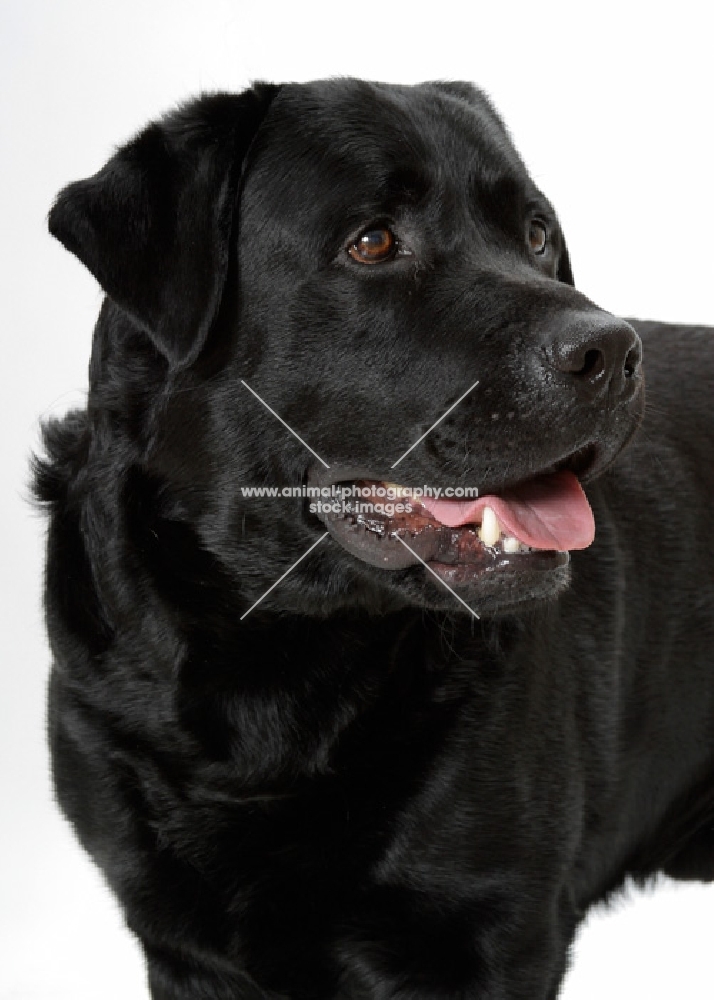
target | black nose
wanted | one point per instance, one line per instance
(602, 354)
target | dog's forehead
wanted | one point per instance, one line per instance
(359, 136)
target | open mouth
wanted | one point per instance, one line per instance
(529, 526)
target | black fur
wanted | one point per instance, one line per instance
(358, 791)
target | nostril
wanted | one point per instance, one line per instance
(632, 362)
(593, 365)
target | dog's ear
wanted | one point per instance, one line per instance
(154, 225)
(564, 272)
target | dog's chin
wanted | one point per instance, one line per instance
(488, 594)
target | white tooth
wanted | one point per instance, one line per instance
(510, 544)
(490, 530)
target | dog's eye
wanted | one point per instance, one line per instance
(537, 236)
(374, 246)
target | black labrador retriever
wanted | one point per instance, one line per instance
(388, 749)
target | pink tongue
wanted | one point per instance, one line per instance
(547, 513)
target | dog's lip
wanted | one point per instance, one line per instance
(585, 462)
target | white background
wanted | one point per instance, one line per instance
(610, 105)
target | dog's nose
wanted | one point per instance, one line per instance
(603, 358)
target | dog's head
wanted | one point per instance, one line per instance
(338, 285)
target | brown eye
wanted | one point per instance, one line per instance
(537, 236)
(374, 247)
